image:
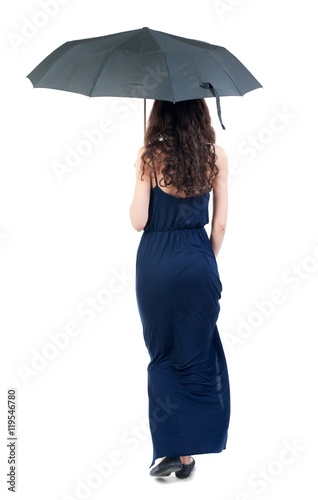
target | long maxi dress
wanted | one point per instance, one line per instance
(178, 290)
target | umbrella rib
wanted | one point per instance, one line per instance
(105, 61)
(225, 70)
(165, 57)
(99, 73)
(214, 58)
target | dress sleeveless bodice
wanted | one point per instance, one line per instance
(168, 213)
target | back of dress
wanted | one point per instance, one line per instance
(167, 212)
(178, 290)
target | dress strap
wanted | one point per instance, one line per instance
(154, 171)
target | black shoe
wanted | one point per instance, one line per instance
(186, 470)
(166, 466)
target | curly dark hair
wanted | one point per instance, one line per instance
(180, 142)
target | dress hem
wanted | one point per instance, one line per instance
(186, 454)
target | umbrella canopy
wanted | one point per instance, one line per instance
(144, 63)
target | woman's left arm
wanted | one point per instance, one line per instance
(140, 204)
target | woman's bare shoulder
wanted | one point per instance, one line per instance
(141, 152)
(222, 158)
(219, 150)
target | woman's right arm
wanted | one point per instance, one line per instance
(140, 204)
(220, 201)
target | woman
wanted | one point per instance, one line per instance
(177, 283)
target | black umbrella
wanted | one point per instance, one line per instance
(147, 64)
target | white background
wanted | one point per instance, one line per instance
(63, 241)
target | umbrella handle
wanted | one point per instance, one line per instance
(208, 85)
(144, 116)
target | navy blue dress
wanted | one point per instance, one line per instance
(178, 290)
